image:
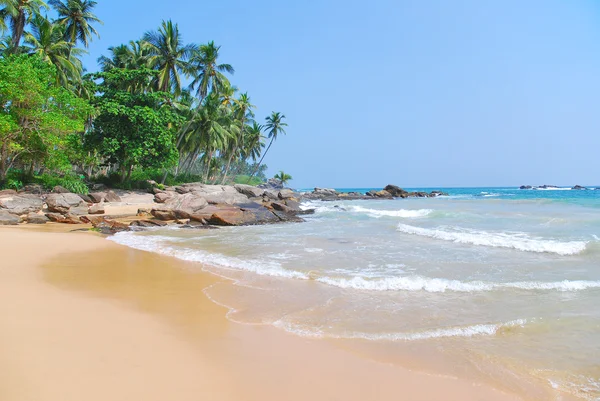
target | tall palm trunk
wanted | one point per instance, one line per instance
(234, 152)
(206, 174)
(260, 161)
(18, 29)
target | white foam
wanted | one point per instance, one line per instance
(459, 331)
(377, 213)
(419, 283)
(159, 244)
(552, 189)
(518, 241)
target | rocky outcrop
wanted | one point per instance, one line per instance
(380, 194)
(96, 208)
(249, 190)
(180, 206)
(525, 187)
(106, 196)
(579, 187)
(19, 204)
(63, 202)
(60, 190)
(8, 219)
(272, 183)
(389, 192)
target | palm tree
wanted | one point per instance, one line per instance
(46, 39)
(77, 18)
(169, 56)
(283, 177)
(242, 113)
(210, 77)
(274, 127)
(253, 142)
(18, 13)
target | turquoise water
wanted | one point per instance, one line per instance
(503, 283)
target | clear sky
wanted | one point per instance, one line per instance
(411, 92)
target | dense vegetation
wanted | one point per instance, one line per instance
(158, 108)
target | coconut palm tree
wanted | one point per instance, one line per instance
(283, 177)
(46, 39)
(253, 142)
(274, 128)
(243, 114)
(132, 56)
(169, 56)
(17, 13)
(210, 77)
(77, 18)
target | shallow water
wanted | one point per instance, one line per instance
(504, 282)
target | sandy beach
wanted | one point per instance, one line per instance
(86, 319)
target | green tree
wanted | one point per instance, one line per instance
(243, 114)
(275, 127)
(133, 129)
(210, 75)
(283, 177)
(36, 114)
(18, 13)
(46, 39)
(77, 18)
(169, 56)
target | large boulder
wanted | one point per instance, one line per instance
(19, 204)
(36, 218)
(62, 203)
(147, 223)
(162, 197)
(234, 216)
(185, 205)
(8, 219)
(96, 208)
(286, 194)
(272, 183)
(249, 190)
(97, 197)
(111, 196)
(384, 194)
(395, 190)
(60, 190)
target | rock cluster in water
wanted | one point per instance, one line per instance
(576, 187)
(389, 192)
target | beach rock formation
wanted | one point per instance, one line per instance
(8, 219)
(63, 202)
(36, 218)
(249, 190)
(19, 204)
(272, 183)
(389, 192)
(579, 187)
(525, 187)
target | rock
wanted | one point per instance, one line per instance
(394, 190)
(234, 216)
(98, 187)
(63, 218)
(86, 198)
(182, 221)
(249, 190)
(79, 210)
(35, 189)
(272, 183)
(61, 203)
(36, 218)
(579, 187)
(8, 219)
(525, 187)
(227, 198)
(147, 223)
(7, 192)
(93, 220)
(282, 208)
(185, 205)
(97, 208)
(106, 226)
(182, 190)
(384, 194)
(97, 197)
(19, 204)
(165, 214)
(111, 196)
(287, 217)
(325, 191)
(60, 190)
(143, 212)
(294, 205)
(162, 197)
(271, 194)
(286, 194)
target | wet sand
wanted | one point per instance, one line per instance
(82, 318)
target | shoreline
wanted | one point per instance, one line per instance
(132, 315)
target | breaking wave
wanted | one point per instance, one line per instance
(517, 241)
(459, 331)
(406, 213)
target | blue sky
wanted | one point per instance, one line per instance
(410, 92)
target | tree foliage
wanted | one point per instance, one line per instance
(36, 113)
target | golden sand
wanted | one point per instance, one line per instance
(82, 318)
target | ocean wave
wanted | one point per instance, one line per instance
(517, 241)
(445, 332)
(157, 244)
(406, 213)
(419, 283)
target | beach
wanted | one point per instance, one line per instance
(85, 318)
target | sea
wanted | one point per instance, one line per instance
(498, 284)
